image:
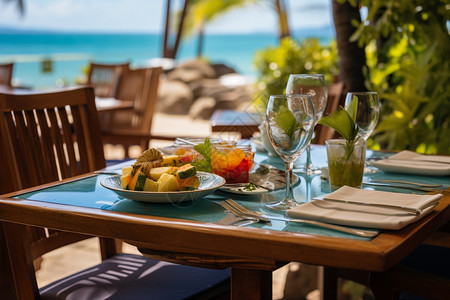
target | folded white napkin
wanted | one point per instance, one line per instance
(363, 215)
(410, 162)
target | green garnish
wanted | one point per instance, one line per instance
(285, 119)
(248, 188)
(343, 121)
(205, 150)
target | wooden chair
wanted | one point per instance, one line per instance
(105, 77)
(6, 71)
(46, 137)
(324, 133)
(133, 126)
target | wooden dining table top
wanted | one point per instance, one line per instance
(189, 233)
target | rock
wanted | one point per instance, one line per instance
(186, 76)
(222, 69)
(202, 108)
(230, 100)
(175, 97)
(192, 70)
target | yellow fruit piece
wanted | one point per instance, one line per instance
(235, 157)
(133, 180)
(167, 183)
(156, 173)
(218, 161)
(151, 185)
(125, 180)
(127, 170)
(171, 160)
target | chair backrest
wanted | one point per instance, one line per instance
(141, 87)
(105, 77)
(49, 136)
(324, 133)
(6, 71)
(46, 137)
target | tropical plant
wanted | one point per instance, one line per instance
(201, 12)
(352, 59)
(275, 64)
(410, 71)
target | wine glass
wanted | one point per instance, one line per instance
(316, 86)
(366, 115)
(290, 125)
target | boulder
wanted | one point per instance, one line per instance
(222, 69)
(186, 76)
(230, 100)
(203, 108)
(175, 97)
(192, 70)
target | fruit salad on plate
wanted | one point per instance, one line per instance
(153, 172)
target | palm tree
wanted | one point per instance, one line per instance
(352, 57)
(171, 51)
(20, 5)
(202, 12)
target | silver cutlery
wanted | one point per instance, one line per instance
(233, 220)
(239, 210)
(410, 210)
(423, 189)
(405, 182)
(106, 172)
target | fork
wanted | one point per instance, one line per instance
(241, 211)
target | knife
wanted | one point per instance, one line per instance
(401, 186)
(410, 210)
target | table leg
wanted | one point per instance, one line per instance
(328, 283)
(251, 284)
(6, 277)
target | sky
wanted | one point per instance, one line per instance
(144, 16)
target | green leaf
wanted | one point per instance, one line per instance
(204, 149)
(286, 121)
(341, 121)
(202, 165)
(352, 108)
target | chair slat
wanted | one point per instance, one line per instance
(47, 146)
(58, 144)
(68, 139)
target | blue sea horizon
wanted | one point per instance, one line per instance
(69, 53)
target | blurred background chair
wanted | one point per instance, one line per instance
(105, 77)
(132, 126)
(51, 136)
(6, 71)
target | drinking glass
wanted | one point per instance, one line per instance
(316, 86)
(366, 115)
(290, 125)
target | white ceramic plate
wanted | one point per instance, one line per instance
(208, 184)
(242, 191)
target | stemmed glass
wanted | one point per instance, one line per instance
(316, 86)
(290, 125)
(366, 115)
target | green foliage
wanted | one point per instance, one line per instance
(411, 72)
(275, 64)
(205, 150)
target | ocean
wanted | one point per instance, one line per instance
(44, 60)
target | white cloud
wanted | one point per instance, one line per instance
(148, 16)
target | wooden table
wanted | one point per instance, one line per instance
(252, 252)
(244, 122)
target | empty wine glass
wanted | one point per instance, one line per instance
(290, 125)
(316, 86)
(366, 115)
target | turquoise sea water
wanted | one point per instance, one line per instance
(69, 53)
